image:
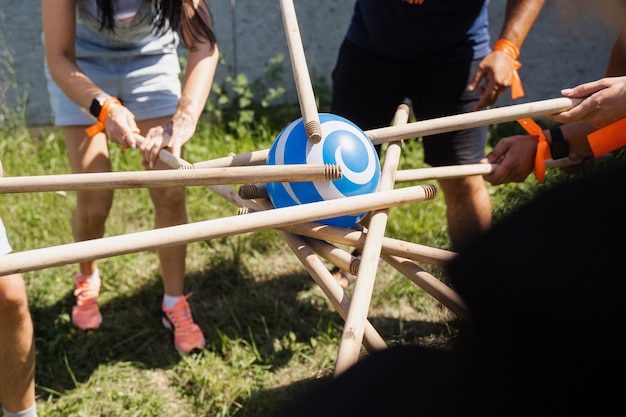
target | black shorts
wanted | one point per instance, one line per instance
(368, 89)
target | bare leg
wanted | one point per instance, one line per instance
(169, 210)
(92, 206)
(468, 208)
(17, 346)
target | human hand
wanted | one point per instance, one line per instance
(158, 138)
(514, 157)
(604, 102)
(492, 77)
(121, 126)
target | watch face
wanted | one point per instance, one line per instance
(95, 108)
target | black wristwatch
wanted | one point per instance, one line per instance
(96, 105)
(559, 148)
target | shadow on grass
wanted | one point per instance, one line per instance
(228, 303)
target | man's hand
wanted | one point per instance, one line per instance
(515, 159)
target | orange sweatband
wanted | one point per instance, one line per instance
(512, 50)
(608, 138)
(99, 126)
(543, 150)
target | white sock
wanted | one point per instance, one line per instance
(170, 300)
(29, 412)
(94, 275)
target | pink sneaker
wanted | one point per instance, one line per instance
(187, 334)
(86, 314)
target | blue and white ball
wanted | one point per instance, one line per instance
(343, 143)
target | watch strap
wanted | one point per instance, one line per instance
(559, 148)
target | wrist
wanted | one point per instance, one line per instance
(507, 47)
(96, 105)
(103, 109)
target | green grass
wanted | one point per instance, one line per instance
(270, 330)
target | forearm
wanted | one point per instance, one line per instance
(520, 15)
(576, 136)
(197, 82)
(617, 59)
(73, 82)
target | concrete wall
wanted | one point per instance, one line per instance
(569, 44)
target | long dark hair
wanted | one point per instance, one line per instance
(178, 15)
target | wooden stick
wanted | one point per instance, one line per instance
(169, 178)
(457, 171)
(322, 277)
(306, 98)
(356, 238)
(471, 119)
(252, 158)
(414, 251)
(452, 171)
(440, 291)
(333, 254)
(352, 337)
(199, 231)
(436, 125)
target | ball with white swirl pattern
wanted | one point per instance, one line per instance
(344, 144)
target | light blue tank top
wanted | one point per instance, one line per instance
(131, 38)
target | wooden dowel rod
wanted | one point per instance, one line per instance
(441, 125)
(331, 288)
(356, 238)
(251, 158)
(304, 88)
(169, 178)
(452, 171)
(199, 231)
(339, 257)
(350, 237)
(458, 171)
(471, 119)
(353, 332)
(440, 291)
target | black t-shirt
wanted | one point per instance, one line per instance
(438, 31)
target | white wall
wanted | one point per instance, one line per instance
(569, 44)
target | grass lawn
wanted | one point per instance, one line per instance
(270, 330)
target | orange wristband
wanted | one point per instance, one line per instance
(543, 150)
(512, 50)
(608, 138)
(99, 126)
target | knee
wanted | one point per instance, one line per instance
(12, 293)
(463, 189)
(95, 208)
(170, 200)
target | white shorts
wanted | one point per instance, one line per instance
(5, 246)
